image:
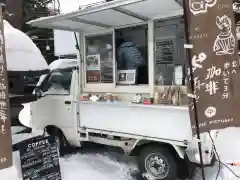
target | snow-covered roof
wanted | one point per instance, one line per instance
(114, 14)
(21, 53)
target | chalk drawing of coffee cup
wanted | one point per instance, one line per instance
(225, 41)
(201, 6)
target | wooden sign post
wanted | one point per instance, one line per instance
(5, 121)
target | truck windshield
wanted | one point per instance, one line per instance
(57, 83)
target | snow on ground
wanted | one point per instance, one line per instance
(17, 129)
(103, 166)
(224, 174)
(89, 166)
(24, 115)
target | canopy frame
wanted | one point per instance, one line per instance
(118, 9)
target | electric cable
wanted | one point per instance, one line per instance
(219, 161)
(214, 148)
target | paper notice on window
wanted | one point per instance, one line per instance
(93, 62)
(178, 75)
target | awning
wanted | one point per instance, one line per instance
(114, 14)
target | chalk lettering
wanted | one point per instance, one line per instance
(39, 143)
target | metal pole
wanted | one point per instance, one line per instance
(192, 84)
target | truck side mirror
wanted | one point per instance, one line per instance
(38, 92)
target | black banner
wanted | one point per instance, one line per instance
(215, 67)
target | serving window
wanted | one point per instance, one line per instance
(132, 55)
(169, 61)
(136, 57)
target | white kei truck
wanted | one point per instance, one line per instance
(157, 134)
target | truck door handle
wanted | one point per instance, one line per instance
(67, 102)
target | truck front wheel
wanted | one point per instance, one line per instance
(157, 163)
(61, 140)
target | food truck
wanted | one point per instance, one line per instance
(142, 110)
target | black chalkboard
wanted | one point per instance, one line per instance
(40, 159)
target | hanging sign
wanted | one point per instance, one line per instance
(212, 34)
(5, 122)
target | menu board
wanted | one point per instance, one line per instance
(40, 159)
(215, 68)
(5, 120)
(164, 52)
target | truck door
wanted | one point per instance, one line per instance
(55, 106)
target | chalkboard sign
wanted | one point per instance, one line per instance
(40, 159)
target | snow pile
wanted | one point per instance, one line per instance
(92, 166)
(88, 166)
(227, 145)
(101, 166)
(21, 53)
(25, 115)
(224, 174)
(17, 129)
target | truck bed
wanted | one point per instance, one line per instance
(153, 121)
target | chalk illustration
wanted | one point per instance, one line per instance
(210, 112)
(225, 41)
(198, 60)
(201, 6)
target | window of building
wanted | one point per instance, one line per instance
(99, 59)
(57, 83)
(132, 55)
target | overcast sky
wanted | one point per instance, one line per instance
(72, 5)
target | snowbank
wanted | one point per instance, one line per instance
(101, 166)
(25, 115)
(224, 174)
(88, 167)
(21, 53)
(78, 166)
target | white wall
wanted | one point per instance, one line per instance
(64, 43)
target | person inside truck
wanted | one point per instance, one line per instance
(128, 55)
(132, 52)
